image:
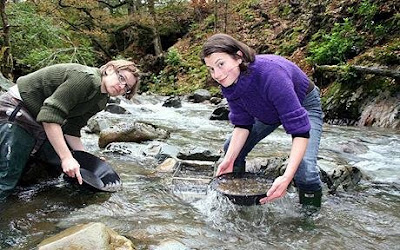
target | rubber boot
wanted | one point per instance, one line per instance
(16, 145)
(310, 200)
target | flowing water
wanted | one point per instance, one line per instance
(149, 213)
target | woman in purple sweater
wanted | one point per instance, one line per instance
(264, 92)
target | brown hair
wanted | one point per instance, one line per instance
(223, 43)
(124, 65)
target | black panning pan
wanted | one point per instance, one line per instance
(96, 173)
(244, 189)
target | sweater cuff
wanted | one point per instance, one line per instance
(248, 127)
(50, 115)
(302, 135)
(296, 122)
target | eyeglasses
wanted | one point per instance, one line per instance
(122, 80)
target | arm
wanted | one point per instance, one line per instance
(69, 165)
(74, 142)
(238, 139)
(278, 189)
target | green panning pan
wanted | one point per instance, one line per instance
(96, 173)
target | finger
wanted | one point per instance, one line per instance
(271, 190)
(271, 198)
(263, 200)
(79, 177)
(70, 173)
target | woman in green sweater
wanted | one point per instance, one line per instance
(54, 103)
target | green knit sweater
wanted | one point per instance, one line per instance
(67, 94)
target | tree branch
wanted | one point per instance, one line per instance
(360, 69)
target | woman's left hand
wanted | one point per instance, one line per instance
(277, 190)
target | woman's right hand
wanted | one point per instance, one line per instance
(224, 167)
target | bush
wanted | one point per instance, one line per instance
(336, 47)
(37, 42)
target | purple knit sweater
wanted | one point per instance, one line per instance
(271, 90)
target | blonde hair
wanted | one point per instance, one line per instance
(124, 65)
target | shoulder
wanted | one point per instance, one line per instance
(267, 67)
(78, 74)
(269, 63)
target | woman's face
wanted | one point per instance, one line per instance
(117, 82)
(223, 68)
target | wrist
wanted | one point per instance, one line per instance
(287, 177)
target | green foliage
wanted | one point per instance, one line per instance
(337, 46)
(166, 81)
(349, 76)
(367, 10)
(246, 10)
(290, 43)
(173, 57)
(389, 54)
(37, 42)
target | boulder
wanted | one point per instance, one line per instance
(200, 154)
(93, 235)
(173, 101)
(115, 109)
(200, 95)
(220, 113)
(128, 132)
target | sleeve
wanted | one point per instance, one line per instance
(74, 125)
(75, 89)
(280, 92)
(238, 115)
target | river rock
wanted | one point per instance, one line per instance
(220, 113)
(199, 154)
(353, 147)
(346, 176)
(128, 132)
(160, 151)
(170, 244)
(93, 235)
(97, 124)
(215, 100)
(382, 111)
(168, 166)
(200, 95)
(173, 101)
(114, 108)
(5, 84)
(125, 148)
(274, 166)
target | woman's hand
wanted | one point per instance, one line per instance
(71, 168)
(225, 167)
(277, 190)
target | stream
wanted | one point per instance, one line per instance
(150, 214)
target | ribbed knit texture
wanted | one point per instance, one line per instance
(67, 94)
(271, 90)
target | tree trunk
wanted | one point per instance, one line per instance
(215, 16)
(156, 36)
(6, 65)
(226, 2)
(133, 6)
(360, 69)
